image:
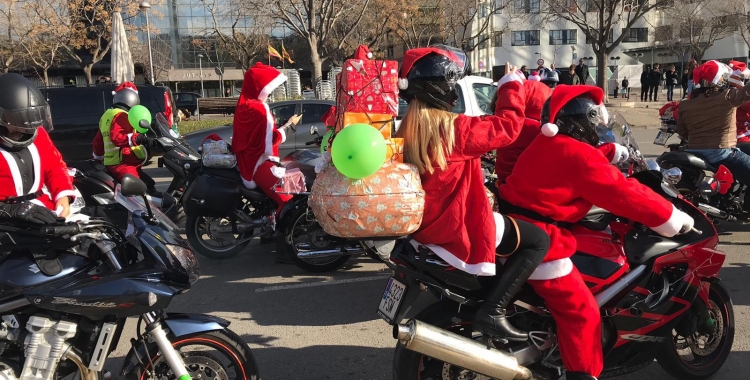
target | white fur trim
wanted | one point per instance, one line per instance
(499, 228)
(283, 135)
(249, 184)
(673, 225)
(14, 171)
(130, 140)
(479, 269)
(535, 78)
(403, 83)
(114, 93)
(37, 162)
(268, 89)
(37, 202)
(369, 55)
(66, 193)
(98, 158)
(549, 129)
(278, 171)
(722, 69)
(512, 77)
(621, 154)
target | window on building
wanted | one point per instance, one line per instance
(563, 6)
(482, 42)
(497, 39)
(610, 39)
(525, 38)
(526, 6)
(499, 5)
(692, 29)
(484, 10)
(663, 33)
(563, 37)
(636, 35)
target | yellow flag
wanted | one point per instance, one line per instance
(273, 53)
(285, 54)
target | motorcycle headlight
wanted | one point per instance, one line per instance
(185, 260)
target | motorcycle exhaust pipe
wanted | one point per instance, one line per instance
(329, 253)
(459, 350)
(242, 227)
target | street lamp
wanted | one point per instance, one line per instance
(145, 7)
(615, 59)
(200, 65)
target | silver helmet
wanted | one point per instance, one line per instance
(127, 97)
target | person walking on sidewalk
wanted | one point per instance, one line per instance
(671, 81)
(645, 83)
(655, 78)
(684, 83)
(626, 88)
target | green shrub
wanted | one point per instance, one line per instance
(197, 125)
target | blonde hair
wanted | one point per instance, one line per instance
(428, 136)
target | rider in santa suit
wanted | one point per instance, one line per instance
(255, 138)
(34, 179)
(128, 147)
(577, 176)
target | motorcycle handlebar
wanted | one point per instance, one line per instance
(69, 229)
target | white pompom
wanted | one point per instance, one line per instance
(549, 129)
(403, 83)
(369, 55)
(114, 93)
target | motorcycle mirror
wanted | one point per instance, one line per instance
(652, 165)
(132, 186)
(313, 130)
(673, 175)
(144, 124)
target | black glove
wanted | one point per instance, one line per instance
(145, 141)
(27, 212)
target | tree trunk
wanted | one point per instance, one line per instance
(87, 67)
(317, 62)
(601, 71)
(46, 76)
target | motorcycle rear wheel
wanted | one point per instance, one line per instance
(706, 360)
(302, 227)
(198, 231)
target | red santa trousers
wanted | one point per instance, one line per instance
(119, 171)
(579, 328)
(266, 181)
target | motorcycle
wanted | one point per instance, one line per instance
(712, 189)
(97, 186)
(223, 216)
(661, 298)
(67, 290)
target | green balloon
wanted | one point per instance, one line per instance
(359, 151)
(326, 141)
(136, 114)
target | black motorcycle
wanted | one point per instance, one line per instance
(709, 188)
(223, 216)
(67, 290)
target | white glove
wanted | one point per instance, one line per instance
(687, 223)
(621, 154)
(678, 223)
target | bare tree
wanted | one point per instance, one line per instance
(240, 29)
(467, 22)
(597, 20)
(317, 21)
(693, 28)
(739, 11)
(160, 52)
(13, 31)
(381, 18)
(420, 24)
(43, 47)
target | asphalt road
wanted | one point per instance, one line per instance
(303, 326)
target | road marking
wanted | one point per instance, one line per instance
(322, 283)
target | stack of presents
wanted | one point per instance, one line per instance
(389, 202)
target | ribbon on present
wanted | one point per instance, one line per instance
(394, 150)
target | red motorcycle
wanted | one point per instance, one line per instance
(659, 298)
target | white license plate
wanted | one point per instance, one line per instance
(392, 297)
(662, 137)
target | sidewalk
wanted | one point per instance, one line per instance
(635, 99)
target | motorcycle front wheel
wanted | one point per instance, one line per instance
(204, 239)
(701, 353)
(216, 355)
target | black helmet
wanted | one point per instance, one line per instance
(23, 109)
(430, 75)
(580, 118)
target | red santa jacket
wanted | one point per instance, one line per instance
(743, 123)
(562, 178)
(50, 173)
(123, 136)
(255, 138)
(458, 224)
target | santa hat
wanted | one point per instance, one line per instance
(260, 81)
(125, 85)
(535, 76)
(669, 108)
(739, 73)
(413, 55)
(363, 52)
(329, 118)
(561, 96)
(537, 94)
(711, 71)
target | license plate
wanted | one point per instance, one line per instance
(662, 137)
(391, 301)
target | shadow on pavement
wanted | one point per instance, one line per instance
(734, 276)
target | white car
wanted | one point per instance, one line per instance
(474, 96)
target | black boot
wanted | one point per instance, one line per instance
(578, 376)
(490, 318)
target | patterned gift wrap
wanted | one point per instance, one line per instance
(383, 122)
(388, 203)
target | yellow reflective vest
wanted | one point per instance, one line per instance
(113, 153)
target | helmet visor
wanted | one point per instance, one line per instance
(26, 120)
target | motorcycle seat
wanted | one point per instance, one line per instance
(230, 174)
(686, 158)
(255, 194)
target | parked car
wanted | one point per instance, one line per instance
(474, 97)
(187, 101)
(311, 111)
(76, 112)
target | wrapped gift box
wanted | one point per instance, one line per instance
(383, 122)
(388, 203)
(367, 87)
(394, 151)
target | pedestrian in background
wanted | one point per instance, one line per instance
(655, 80)
(626, 88)
(525, 71)
(582, 70)
(670, 78)
(684, 83)
(645, 83)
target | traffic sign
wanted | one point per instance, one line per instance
(540, 62)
